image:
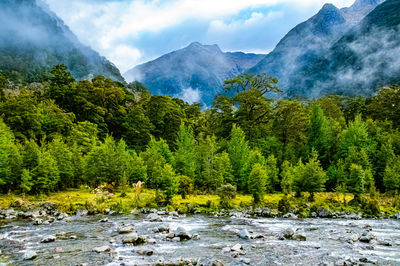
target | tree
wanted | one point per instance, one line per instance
(62, 87)
(185, 155)
(185, 186)
(310, 177)
(320, 135)
(391, 177)
(288, 176)
(46, 174)
(168, 182)
(63, 156)
(238, 150)
(356, 181)
(6, 149)
(273, 173)
(26, 181)
(257, 182)
(253, 158)
(385, 105)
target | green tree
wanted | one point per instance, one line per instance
(288, 176)
(320, 135)
(238, 151)
(273, 173)
(185, 186)
(168, 182)
(6, 149)
(46, 174)
(391, 177)
(356, 181)
(253, 158)
(257, 181)
(64, 158)
(26, 181)
(310, 177)
(185, 155)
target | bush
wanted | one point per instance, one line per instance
(284, 205)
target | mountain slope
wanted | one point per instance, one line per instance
(194, 73)
(33, 39)
(310, 40)
(364, 59)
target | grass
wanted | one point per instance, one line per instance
(71, 200)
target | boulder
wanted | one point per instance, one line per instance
(196, 237)
(48, 239)
(126, 229)
(324, 213)
(154, 217)
(367, 237)
(104, 220)
(182, 234)
(62, 216)
(134, 239)
(299, 237)
(290, 215)
(29, 255)
(237, 248)
(151, 241)
(288, 233)
(38, 221)
(244, 234)
(145, 251)
(102, 249)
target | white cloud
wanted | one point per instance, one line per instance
(190, 95)
(106, 25)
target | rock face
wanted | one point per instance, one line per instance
(194, 73)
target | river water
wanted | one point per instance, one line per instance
(328, 241)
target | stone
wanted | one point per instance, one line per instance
(196, 237)
(151, 241)
(367, 237)
(145, 251)
(38, 221)
(104, 220)
(134, 239)
(299, 237)
(209, 262)
(171, 235)
(2, 236)
(48, 239)
(125, 229)
(58, 249)
(290, 216)
(245, 260)
(385, 243)
(237, 248)
(62, 216)
(182, 234)
(174, 213)
(176, 239)
(154, 217)
(30, 255)
(102, 249)
(324, 213)
(226, 249)
(288, 233)
(244, 234)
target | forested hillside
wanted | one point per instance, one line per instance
(33, 39)
(65, 133)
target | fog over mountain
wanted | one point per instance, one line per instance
(364, 59)
(311, 40)
(195, 73)
(33, 39)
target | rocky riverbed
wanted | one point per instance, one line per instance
(161, 238)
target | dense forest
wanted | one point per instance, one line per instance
(62, 133)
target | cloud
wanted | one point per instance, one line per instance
(112, 26)
(190, 95)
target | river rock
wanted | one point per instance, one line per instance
(30, 255)
(397, 215)
(62, 216)
(196, 237)
(170, 235)
(2, 236)
(145, 251)
(174, 213)
(324, 213)
(245, 260)
(151, 241)
(134, 239)
(367, 237)
(385, 243)
(38, 221)
(237, 248)
(299, 237)
(104, 220)
(125, 229)
(244, 234)
(288, 233)
(290, 215)
(48, 239)
(154, 217)
(102, 249)
(182, 234)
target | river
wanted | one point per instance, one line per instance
(328, 241)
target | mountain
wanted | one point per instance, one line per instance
(364, 59)
(194, 73)
(33, 39)
(311, 40)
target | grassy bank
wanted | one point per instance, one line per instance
(72, 200)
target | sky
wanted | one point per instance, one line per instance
(131, 32)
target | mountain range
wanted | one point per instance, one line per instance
(194, 73)
(348, 51)
(33, 39)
